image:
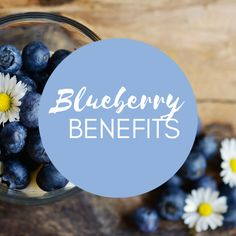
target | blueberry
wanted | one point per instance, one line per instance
(35, 148)
(40, 77)
(49, 179)
(3, 154)
(171, 204)
(35, 57)
(57, 58)
(41, 86)
(30, 84)
(206, 182)
(41, 80)
(10, 59)
(147, 220)
(230, 216)
(15, 174)
(28, 162)
(175, 181)
(194, 167)
(228, 192)
(29, 109)
(208, 146)
(12, 137)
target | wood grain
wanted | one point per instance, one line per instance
(200, 35)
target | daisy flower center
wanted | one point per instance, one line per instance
(205, 209)
(233, 165)
(5, 102)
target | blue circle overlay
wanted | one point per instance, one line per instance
(126, 120)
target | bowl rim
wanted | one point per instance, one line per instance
(58, 195)
(24, 17)
(27, 16)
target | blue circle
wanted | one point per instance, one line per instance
(101, 148)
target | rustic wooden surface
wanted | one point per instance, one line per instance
(200, 35)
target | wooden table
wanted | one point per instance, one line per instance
(200, 35)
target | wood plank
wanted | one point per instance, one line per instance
(189, 31)
(192, 32)
(220, 113)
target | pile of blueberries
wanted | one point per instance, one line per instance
(21, 149)
(197, 172)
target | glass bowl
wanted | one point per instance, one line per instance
(57, 32)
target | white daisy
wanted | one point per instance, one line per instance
(10, 94)
(228, 165)
(204, 209)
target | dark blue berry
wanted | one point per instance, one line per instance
(175, 181)
(35, 148)
(15, 174)
(29, 109)
(12, 137)
(208, 146)
(28, 162)
(147, 220)
(49, 179)
(41, 80)
(10, 59)
(40, 77)
(171, 204)
(3, 154)
(206, 182)
(230, 217)
(35, 57)
(228, 192)
(57, 58)
(30, 84)
(194, 167)
(41, 86)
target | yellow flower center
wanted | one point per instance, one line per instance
(5, 102)
(233, 165)
(205, 209)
